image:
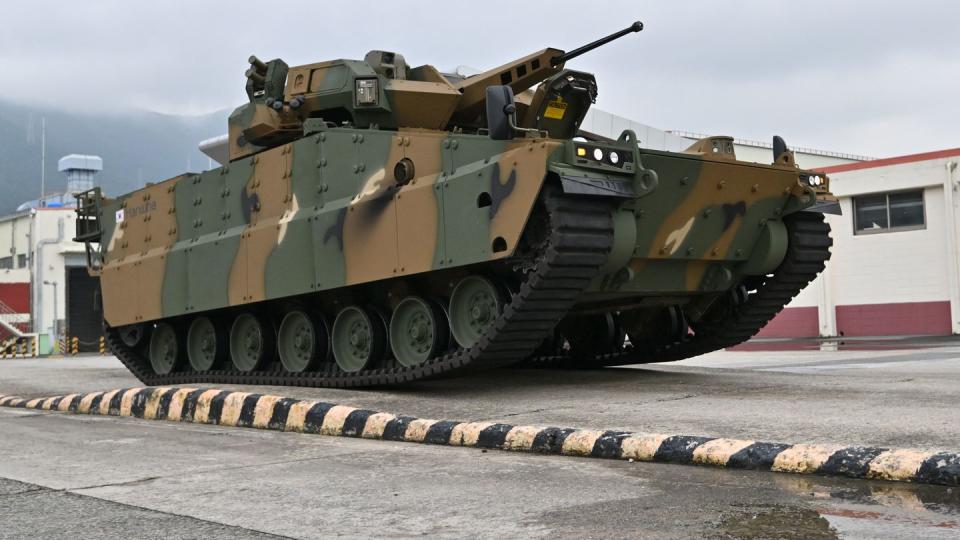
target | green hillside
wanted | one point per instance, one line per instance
(136, 147)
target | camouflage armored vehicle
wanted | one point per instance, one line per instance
(379, 223)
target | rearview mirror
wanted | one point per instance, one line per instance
(500, 112)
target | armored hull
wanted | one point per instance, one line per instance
(345, 255)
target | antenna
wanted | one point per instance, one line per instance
(43, 157)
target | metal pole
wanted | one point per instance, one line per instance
(43, 157)
(56, 308)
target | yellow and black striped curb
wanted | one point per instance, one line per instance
(241, 409)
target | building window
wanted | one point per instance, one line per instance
(883, 212)
(22, 260)
(6, 263)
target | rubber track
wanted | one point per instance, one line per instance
(581, 236)
(807, 253)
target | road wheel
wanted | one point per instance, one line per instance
(165, 351)
(651, 331)
(474, 306)
(593, 335)
(132, 334)
(303, 341)
(418, 331)
(205, 344)
(251, 342)
(359, 338)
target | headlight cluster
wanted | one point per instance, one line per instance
(816, 180)
(603, 156)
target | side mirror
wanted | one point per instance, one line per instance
(500, 112)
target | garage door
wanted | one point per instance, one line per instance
(84, 311)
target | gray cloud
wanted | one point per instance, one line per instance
(877, 78)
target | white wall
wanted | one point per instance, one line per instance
(889, 267)
(15, 241)
(886, 267)
(50, 250)
(52, 246)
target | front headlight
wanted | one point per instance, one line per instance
(588, 154)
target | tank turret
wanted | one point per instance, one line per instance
(383, 91)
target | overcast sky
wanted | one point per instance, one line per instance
(877, 78)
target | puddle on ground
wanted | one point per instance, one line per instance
(842, 508)
(870, 509)
(939, 500)
(778, 522)
(755, 504)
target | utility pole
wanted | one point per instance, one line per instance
(43, 158)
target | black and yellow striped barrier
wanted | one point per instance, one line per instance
(241, 409)
(24, 348)
(69, 345)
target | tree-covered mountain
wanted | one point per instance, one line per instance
(136, 147)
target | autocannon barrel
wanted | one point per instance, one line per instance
(258, 65)
(561, 58)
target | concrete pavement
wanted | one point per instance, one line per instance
(179, 478)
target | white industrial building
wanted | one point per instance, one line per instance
(45, 289)
(894, 268)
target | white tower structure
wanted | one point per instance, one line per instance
(80, 171)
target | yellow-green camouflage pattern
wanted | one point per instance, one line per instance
(326, 212)
(321, 213)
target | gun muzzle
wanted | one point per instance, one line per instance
(561, 58)
(257, 64)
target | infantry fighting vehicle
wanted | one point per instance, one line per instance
(379, 223)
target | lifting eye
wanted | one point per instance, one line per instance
(484, 200)
(499, 244)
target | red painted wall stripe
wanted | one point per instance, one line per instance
(793, 322)
(890, 161)
(16, 295)
(908, 318)
(899, 319)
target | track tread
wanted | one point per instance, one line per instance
(807, 253)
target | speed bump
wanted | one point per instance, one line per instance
(241, 409)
